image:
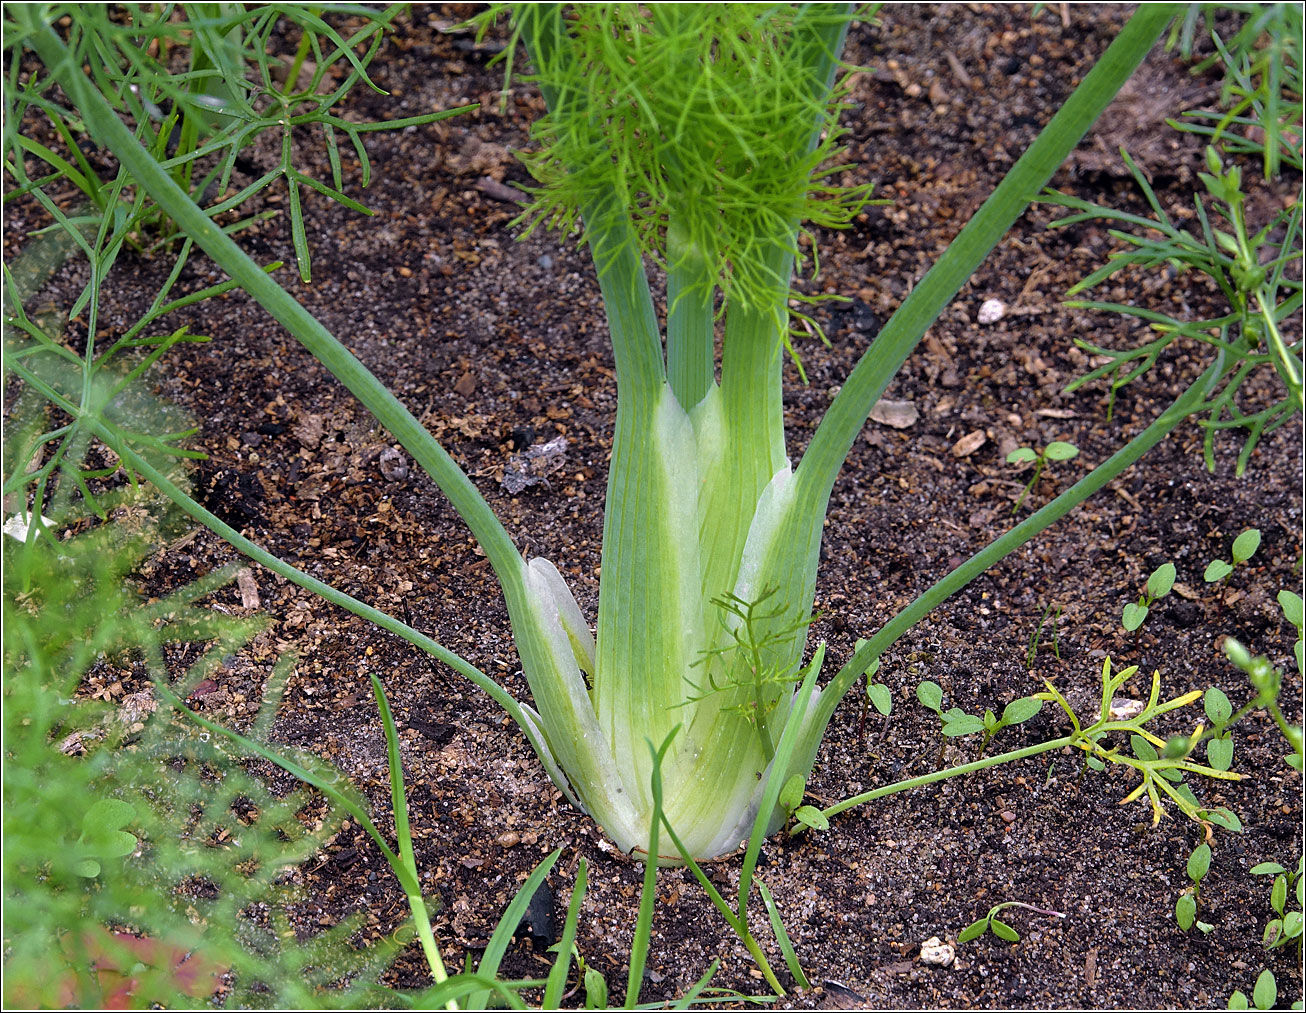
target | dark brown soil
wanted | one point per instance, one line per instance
(485, 337)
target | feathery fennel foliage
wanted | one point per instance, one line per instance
(134, 841)
(715, 131)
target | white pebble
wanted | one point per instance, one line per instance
(991, 311)
(934, 951)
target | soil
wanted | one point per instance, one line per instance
(497, 343)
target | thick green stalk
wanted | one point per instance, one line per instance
(691, 332)
(647, 629)
(799, 543)
(849, 410)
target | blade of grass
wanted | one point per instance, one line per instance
(647, 895)
(503, 932)
(404, 835)
(687, 1000)
(735, 921)
(782, 937)
(562, 966)
(779, 774)
(328, 786)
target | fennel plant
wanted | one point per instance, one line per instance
(698, 138)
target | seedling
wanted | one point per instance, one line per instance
(1057, 450)
(1185, 910)
(791, 800)
(589, 978)
(103, 836)
(877, 696)
(1158, 586)
(1291, 604)
(1162, 772)
(1264, 995)
(1286, 925)
(1036, 637)
(1219, 747)
(1244, 547)
(991, 923)
(1268, 682)
(956, 722)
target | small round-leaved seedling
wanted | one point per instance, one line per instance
(880, 697)
(1159, 584)
(1057, 450)
(930, 694)
(991, 922)
(103, 836)
(791, 798)
(1185, 909)
(1244, 547)
(1266, 991)
(1219, 749)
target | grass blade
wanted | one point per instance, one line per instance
(687, 1000)
(782, 937)
(562, 966)
(512, 916)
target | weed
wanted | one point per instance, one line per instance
(1261, 85)
(1218, 571)
(1036, 638)
(1264, 995)
(1250, 268)
(1159, 584)
(1286, 925)
(991, 923)
(1057, 450)
(1185, 911)
(956, 722)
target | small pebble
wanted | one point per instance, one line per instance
(991, 311)
(898, 414)
(1123, 710)
(508, 839)
(393, 465)
(545, 262)
(969, 443)
(934, 951)
(1008, 816)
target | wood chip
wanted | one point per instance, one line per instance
(466, 384)
(969, 443)
(495, 190)
(1055, 413)
(1184, 591)
(958, 71)
(898, 414)
(309, 430)
(248, 588)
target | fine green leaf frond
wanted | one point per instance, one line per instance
(201, 901)
(709, 115)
